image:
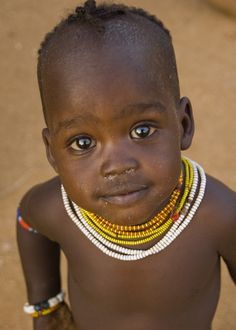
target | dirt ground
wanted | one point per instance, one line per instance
(205, 43)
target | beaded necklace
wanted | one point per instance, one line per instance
(190, 201)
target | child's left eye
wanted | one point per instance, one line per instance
(142, 131)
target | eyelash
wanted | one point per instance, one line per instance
(143, 129)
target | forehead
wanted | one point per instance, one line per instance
(84, 66)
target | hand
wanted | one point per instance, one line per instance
(61, 319)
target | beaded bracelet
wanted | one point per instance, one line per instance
(45, 307)
(23, 224)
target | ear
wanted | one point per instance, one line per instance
(186, 122)
(48, 145)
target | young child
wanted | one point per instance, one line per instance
(142, 229)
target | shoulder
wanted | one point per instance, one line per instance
(219, 214)
(220, 196)
(221, 201)
(42, 207)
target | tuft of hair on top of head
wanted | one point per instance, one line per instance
(84, 12)
(89, 7)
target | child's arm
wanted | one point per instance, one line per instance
(228, 245)
(224, 224)
(40, 258)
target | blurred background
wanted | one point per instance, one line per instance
(204, 36)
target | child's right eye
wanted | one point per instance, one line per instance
(81, 143)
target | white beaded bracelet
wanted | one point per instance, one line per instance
(44, 307)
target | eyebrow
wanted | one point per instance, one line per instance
(142, 107)
(78, 119)
(130, 109)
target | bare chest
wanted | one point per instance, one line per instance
(182, 279)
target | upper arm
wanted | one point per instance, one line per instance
(223, 222)
(227, 246)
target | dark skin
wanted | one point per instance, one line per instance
(93, 142)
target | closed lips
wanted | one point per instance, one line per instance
(125, 196)
(118, 191)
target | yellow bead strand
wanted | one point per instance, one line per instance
(188, 185)
(132, 241)
(131, 235)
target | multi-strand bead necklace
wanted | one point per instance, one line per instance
(173, 218)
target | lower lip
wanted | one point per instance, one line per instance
(125, 199)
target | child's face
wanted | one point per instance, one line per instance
(114, 136)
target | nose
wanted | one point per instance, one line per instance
(117, 160)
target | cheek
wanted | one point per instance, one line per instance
(166, 173)
(76, 178)
(164, 165)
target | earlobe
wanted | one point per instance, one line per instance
(186, 122)
(47, 142)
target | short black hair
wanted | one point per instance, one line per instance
(96, 16)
